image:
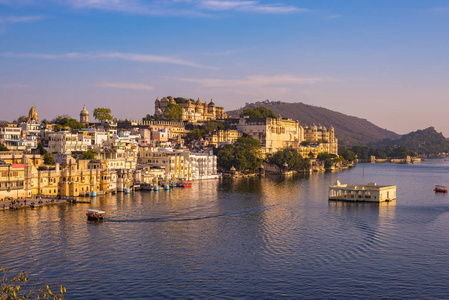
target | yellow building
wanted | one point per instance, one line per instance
(220, 137)
(173, 161)
(191, 111)
(12, 180)
(274, 134)
(323, 136)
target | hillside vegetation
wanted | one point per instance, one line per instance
(349, 130)
(424, 142)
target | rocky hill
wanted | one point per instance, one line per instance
(349, 130)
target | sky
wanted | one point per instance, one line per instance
(382, 60)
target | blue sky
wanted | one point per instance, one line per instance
(386, 61)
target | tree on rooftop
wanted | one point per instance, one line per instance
(149, 117)
(102, 114)
(89, 154)
(21, 119)
(173, 112)
(41, 149)
(3, 147)
(65, 121)
(49, 159)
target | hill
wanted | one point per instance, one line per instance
(424, 142)
(349, 130)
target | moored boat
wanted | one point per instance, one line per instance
(184, 183)
(440, 189)
(95, 215)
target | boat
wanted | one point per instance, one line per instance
(440, 189)
(184, 183)
(95, 215)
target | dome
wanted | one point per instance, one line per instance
(211, 103)
(32, 114)
(157, 100)
(172, 101)
(164, 100)
(84, 112)
(198, 102)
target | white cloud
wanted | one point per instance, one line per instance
(144, 58)
(126, 85)
(180, 7)
(20, 19)
(255, 81)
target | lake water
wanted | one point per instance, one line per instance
(253, 238)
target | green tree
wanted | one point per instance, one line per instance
(102, 114)
(292, 157)
(173, 112)
(214, 125)
(16, 288)
(225, 157)
(66, 122)
(89, 154)
(41, 149)
(260, 112)
(244, 155)
(348, 155)
(3, 148)
(194, 135)
(325, 155)
(21, 119)
(49, 159)
(149, 117)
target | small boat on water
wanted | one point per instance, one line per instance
(440, 189)
(95, 215)
(184, 183)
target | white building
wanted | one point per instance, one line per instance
(370, 192)
(9, 136)
(204, 165)
(66, 142)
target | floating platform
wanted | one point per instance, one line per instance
(370, 192)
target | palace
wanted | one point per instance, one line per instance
(191, 111)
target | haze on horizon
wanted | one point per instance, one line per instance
(385, 61)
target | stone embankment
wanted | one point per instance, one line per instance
(34, 202)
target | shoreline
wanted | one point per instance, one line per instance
(30, 203)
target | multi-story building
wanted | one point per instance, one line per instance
(191, 111)
(66, 142)
(10, 135)
(174, 161)
(203, 165)
(274, 134)
(322, 136)
(12, 180)
(221, 137)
